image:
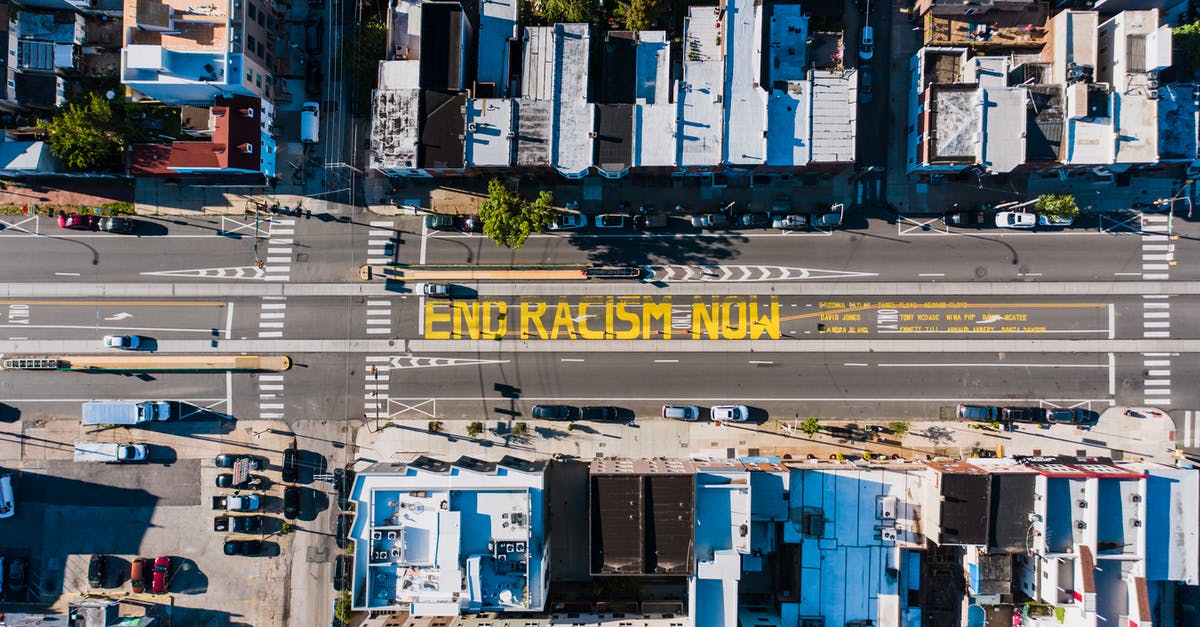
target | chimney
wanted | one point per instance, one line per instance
(247, 148)
(247, 112)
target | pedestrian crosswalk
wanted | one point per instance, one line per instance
(270, 386)
(278, 260)
(1189, 432)
(377, 379)
(381, 244)
(1157, 257)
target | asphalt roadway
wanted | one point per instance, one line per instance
(758, 278)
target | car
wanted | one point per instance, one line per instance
(964, 218)
(603, 413)
(162, 574)
(471, 224)
(1015, 220)
(1072, 416)
(288, 471)
(729, 413)
(291, 502)
(790, 222)
(646, 222)
(341, 572)
(866, 45)
(440, 222)
(15, 575)
(314, 31)
(827, 219)
(225, 460)
(97, 569)
(138, 570)
(1030, 415)
(1045, 219)
(980, 413)
(681, 412)
(124, 342)
(567, 222)
(343, 482)
(553, 412)
(344, 522)
(610, 221)
(243, 547)
(753, 220)
(437, 290)
(865, 85)
(123, 226)
(238, 524)
(710, 220)
(78, 221)
(252, 482)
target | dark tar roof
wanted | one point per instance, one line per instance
(1044, 121)
(1011, 503)
(995, 574)
(442, 127)
(616, 524)
(614, 136)
(36, 90)
(441, 45)
(964, 509)
(620, 63)
(670, 503)
(642, 524)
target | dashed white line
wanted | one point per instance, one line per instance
(570, 359)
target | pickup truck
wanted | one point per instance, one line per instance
(237, 524)
(124, 412)
(109, 452)
(247, 503)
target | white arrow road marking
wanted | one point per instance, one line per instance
(121, 316)
(238, 272)
(438, 362)
(745, 273)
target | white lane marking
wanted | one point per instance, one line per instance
(266, 415)
(278, 269)
(932, 274)
(1156, 325)
(1156, 392)
(1156, 295)
(1157, 362)
(1156, 277)
(760, 362)
(282, 241)
(274, 297)
(1164, 257)
(379, 359)
(1157, 382)
(279, 250)
(378, 321)
(229, 320)
(276, 277)
(385, 223)
(379, 233)
(1156, 305)
(1112, 374)
(1112, 321)
(1155, 266)
(378, 331)
(66, 274)
(271, 325)
(1159, 373)
(379, 303)
(421, 312)
(1156, 314)
(18, 338)
(270, 377)
(1029, 274)
(267, 315)
(101, 328)
(379, 312)
(424, 241)
(229, 391)
(570, 359)
(278, 260)
(1127, 274)
(274, 305)
(992, 365)
(270, 405)
(666, 361)
(275, 232)
(1156, 334)
(851, 363)
(270, 334)
(270, 387)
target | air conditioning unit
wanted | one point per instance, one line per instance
(1152, 94)
(1082, 504)
(888, 509)
(888, 534)
(1134, 522)
(1135, 497)
(1079, 524)
(472, 127)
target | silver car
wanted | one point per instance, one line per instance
(729, 413)
(681, 412)
(567, 222)
(791, 221)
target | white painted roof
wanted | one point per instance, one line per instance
(489, 126)
(654, 135)
(834, 111)
(701, 91)
(1003, 124)
(746, 100)
(788, 125)
(653, 70)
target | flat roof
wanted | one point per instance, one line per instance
(671, 501)
(1010, 506)
(965, 505)
(614, 137)
(1044, 123)
(1178, 116)
(533, 131)
(746, 100)
(443, 46)
(497, 23)
(652, 76)
(654, 134)
(1003, 145)
(442, 129)
(572, 152)
(617, 526)
(789, 44)
(1073, 42)
(489, 124)
(789, 125)
(834, 112)
(178, 24)
(618, 67)
(956, 126)
(394, 127)
(701, 91)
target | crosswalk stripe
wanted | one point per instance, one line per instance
(1156, 334)
(1158, 373)
(1157, 382)
(1157, 362)
(387, 223)
(379, 331)
(270, 334)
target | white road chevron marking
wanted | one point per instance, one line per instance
(238, 272)
(438, 362)
(744, 273)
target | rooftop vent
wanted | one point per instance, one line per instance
(247, 148)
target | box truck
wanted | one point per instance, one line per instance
(124, 412)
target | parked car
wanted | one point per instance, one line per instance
(602, 413)
(567, 222)
(1072, 416)
(291, 502)
(97, 570)
(1030, 415)
(790, 222)
(866, 45)
(553, 412)
(243, 547)
(650, 221)
(162, 574)
(471, 224)
(1015, 220)
(344, 522)
(314, 80)
(288, 471)
(314, 32)
(866, 89)
(729, 413)
(681, 412)
(827, 219)
(981, 413)
(78, 221)
(341, 572)
(610, 221)
(253, 482)
(123, 226)
(238, 524)
(754, 220)
(225, 460)
(124, 342)
(440, 222)
(16, 574)
(710, 221)
(137, 574)
(965, 218)
(1045, 219)
(437, 290)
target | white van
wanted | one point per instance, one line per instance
(310, 123)
(7, 507)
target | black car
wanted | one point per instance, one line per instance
(97, 571)
(651, 221)
(1029, 415)
(314, 33)
(227, 461)
(753, 220)
(252, 482)
(289, 472)
(243, 547)
(471, 224)
(291, 501)
(123, 226)
(237, 524)
(1073, 416)
(344, 522)
(553, 412)
(343, 482)
(603, 413)
(15, 579)
(965, 218)
(341, 572)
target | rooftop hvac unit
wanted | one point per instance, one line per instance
(472, 127)
(888, 509)
(888, 534)
(1082, 504)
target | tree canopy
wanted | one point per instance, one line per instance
(85, 136)
(639, 15)
(508, 219)
(564, 10)
(1060, 205)
(1187, 41)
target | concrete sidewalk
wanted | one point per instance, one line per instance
(1116, 435)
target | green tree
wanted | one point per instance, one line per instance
(508, 219)
(639, 15)
(1057, 205)
(1186, 40)
(341, 609)
(564, 10)
(810, 426)
(474, 429)
(899, 427)
(520, 429)
(85, 136)
(365, 50)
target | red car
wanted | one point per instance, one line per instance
(162, 568)
(78, 221)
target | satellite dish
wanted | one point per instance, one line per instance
(110, 94)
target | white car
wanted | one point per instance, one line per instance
(1015, 220)
(124, 342)
(729, 413)
(567, 221)
(610, 221)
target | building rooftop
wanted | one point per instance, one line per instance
(60, 27)
(556, 69)
(237, 144)
(1010, 506)
(964, 508)
(444, 45)
(1073, 43)
(789, 125)
(618, 67)
(722, 520)
(497, 23)
(745, 98)
(701, 90)
(614, 137)
(642, 514)
(956, 126)
(994, 29)
(1178, 121)
(533, 131)
(1043, 123)
(1004, 111)
(788, 58)
(834, 116)
(654, 131)
(442, 125)
(394, 134)
(489, 136)
(652, 74)
(178, 24)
